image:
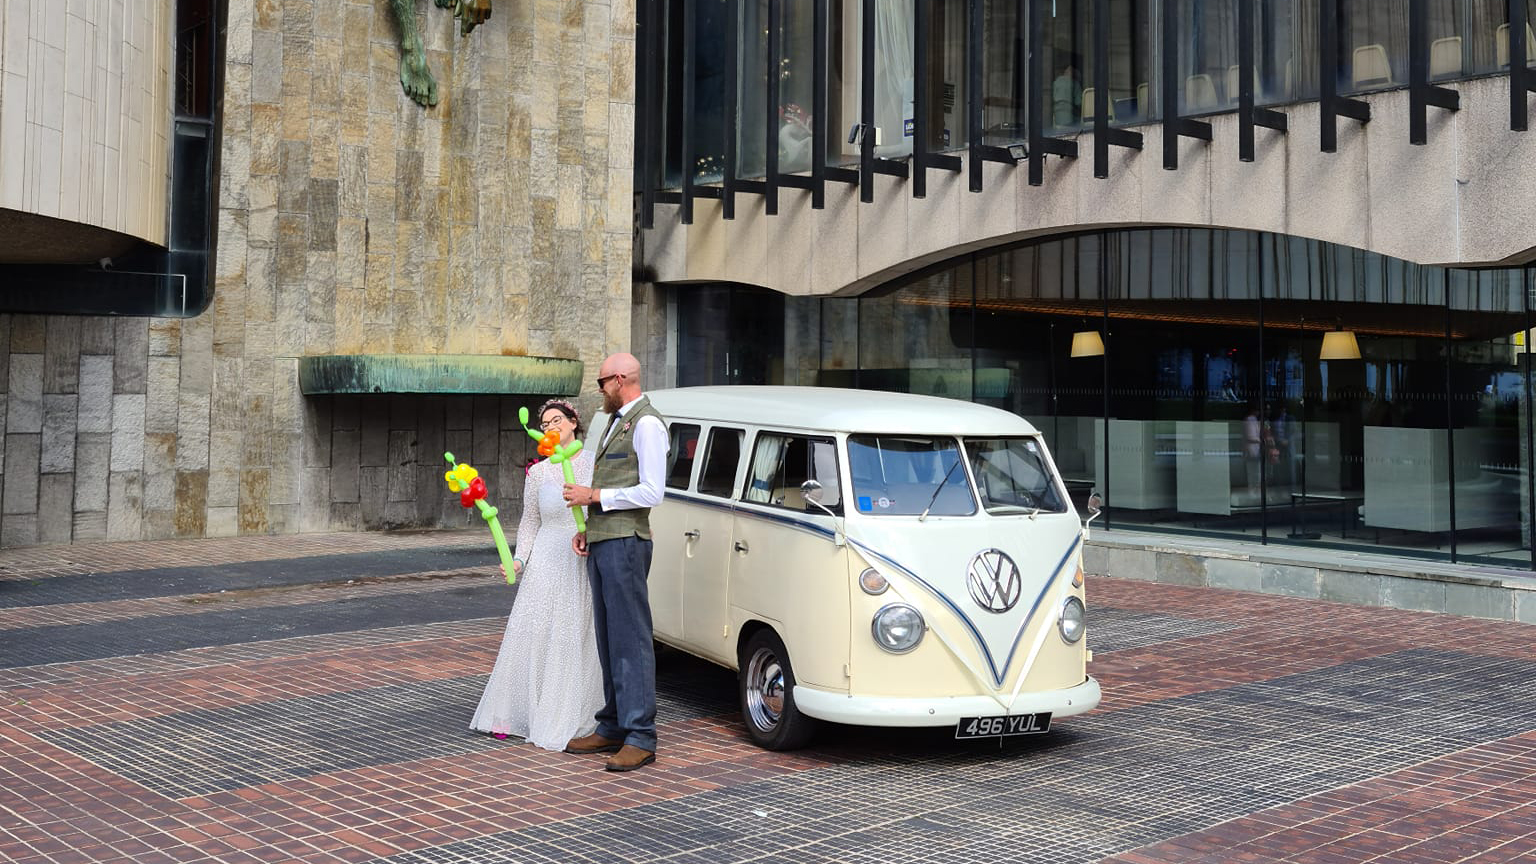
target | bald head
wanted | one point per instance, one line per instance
(621, 364)
(624, 370)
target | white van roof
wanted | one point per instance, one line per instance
(835, 409)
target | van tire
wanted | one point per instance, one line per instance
(766, 685)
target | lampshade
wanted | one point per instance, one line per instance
(1339, 345)
(1087, 343)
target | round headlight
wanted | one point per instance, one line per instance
(898, 628)
(872, 582)
(1073, 620)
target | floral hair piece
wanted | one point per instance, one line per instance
(563, 405)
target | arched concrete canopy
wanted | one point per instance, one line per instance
(1466, 198)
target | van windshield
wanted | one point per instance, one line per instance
(1013, 476)
(903, 475)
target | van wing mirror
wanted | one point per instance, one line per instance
(810, 490)
(1095, 510)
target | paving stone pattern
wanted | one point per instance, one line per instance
(75, 642)
(207, 750)
(1123, 629)
(199, 578)
(1223, 754)
(325, 722)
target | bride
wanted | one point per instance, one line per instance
(547, 685)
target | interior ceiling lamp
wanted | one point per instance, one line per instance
(1339, 345)
(1088, 343)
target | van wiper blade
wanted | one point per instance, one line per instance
(952, 466)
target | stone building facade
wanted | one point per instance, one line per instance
(350, 221)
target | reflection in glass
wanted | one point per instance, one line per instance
(908, 476)
(1285, 51)
(1002, 105)
(680, 452)
(710, 80)
(947, 79)
(1465, 38)
(752, 69)
(1488, 413)
(839, 338)
(1064, 44)
(1131, 65)
(1373, 45)
(1207, 44)
(796, 71)
(1471, 37)
(781, 463)
(1135, 64)
(1013, 476)
(912, 338)
(1222, 414)
(721, 338)
(894, 79)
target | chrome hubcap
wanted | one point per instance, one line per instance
(765, 690)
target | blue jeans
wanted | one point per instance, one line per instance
(621, 605)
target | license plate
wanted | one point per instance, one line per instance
(999, 727)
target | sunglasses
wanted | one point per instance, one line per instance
(606, 378)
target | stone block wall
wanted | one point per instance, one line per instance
(351, 220)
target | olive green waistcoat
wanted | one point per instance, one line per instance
(618, 467)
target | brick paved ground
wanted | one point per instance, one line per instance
(304, 699)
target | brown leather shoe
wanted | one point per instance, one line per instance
(629, 758)
(593, 743)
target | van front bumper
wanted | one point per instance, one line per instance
(940, 710)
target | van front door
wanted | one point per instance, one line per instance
(665, 583)
(706, 555)
(784, 566)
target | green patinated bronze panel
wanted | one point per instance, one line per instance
(439, 373)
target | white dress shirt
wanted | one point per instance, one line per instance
(650, 443)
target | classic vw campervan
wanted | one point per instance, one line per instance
(870, 558)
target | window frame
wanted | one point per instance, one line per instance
(1052, 474)
(673, 457)
(960, 452)
(810, 438)
(709, 451)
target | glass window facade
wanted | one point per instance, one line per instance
(1205, 381)
(1002, 67)
(1465, 38)
(947, 78)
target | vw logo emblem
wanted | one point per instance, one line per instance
(994, 580)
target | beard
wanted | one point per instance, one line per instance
(611, 403)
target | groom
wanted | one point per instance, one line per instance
(626, 483)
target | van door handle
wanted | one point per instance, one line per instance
(741, 546)
(692, 535)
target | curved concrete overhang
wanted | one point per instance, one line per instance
(1467, 197)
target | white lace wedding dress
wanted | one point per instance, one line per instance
(547, 684)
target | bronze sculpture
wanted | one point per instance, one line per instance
(415, 77)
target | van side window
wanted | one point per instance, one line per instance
(780, 463)
(685, 439)
(720, 460)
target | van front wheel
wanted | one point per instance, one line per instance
(767, 685)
